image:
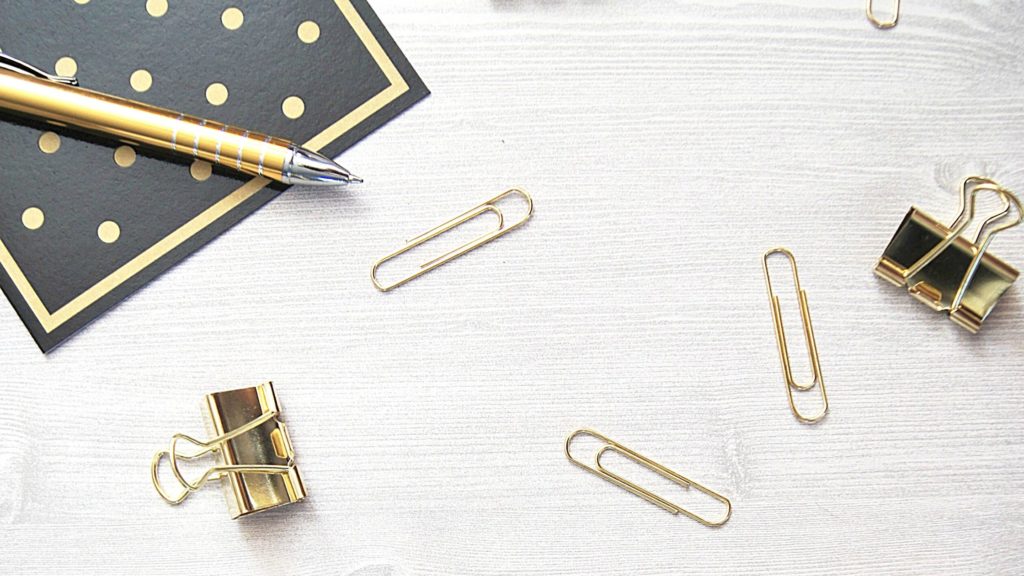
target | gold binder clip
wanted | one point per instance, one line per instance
(613, 446)
(255, 453)
(488, 206)
(780, 338)
(944, 269)
(884, 24)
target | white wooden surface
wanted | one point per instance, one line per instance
(667, 144)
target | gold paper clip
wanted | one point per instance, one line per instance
(488, 206)
(884, 24)
(780, 338)
(255, 453)
(613, 446)
(945, 270)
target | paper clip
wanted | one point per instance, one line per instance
(254, 450)
(884, 24)
(944, 269)
(488, 206)
(612, 446)
(780, 337)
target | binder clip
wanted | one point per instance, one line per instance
(944, 269)
(254, 453)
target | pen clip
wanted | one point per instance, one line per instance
(14, 65)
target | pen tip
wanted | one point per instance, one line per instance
(313, 169)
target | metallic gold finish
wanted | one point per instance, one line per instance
(612, 446)
(780, 338)
(488, 206)
(12, 64)
(883, 24)
(255, 453)
(50, 320)
(947, 271)
(137, 123)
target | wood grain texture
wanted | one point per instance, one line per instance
(667, 144)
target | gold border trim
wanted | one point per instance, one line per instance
(51, 321)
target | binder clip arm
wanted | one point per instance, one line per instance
(970, 189)
(213, 472)
(957, 312)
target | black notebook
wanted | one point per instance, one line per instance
(85, 221)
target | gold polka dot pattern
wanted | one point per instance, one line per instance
(109, 232)
(49, 142)
(33, 218)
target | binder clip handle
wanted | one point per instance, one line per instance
(971, 188)
(986, 233)
(205, 448)
(1012, 205)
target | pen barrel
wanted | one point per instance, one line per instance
(136, 123)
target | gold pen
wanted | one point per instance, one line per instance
(25, 89)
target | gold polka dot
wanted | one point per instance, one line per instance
(232, 18)
(309, 32)
(141, 80)
(156, 8)
(66, 66)
(33, 218)
(217, 93)
(49, 142)
(124, 156)
(109, 232)
(201, 170)
(82, 2)
(293, 107)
